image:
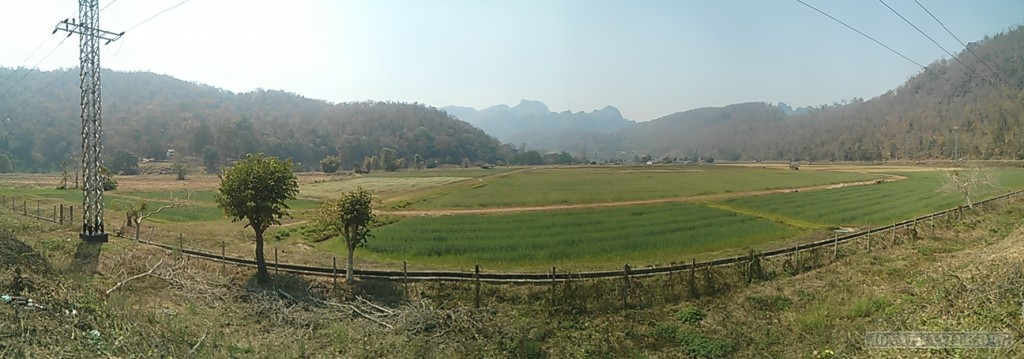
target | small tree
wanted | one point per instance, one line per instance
(5, 164)
(418, 162)
(255, 189)
(389, 160)
(181, 169)
(136, 212)
(211, 159)
(965, 182)
(349, 216)
(330, 164)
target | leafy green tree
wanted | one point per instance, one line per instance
(202, 138)
(349, 216)
(211, 158)
(330, 164)
(532, 158)
(255, 189)
(389, 160)
(124, 162)
(5, 164)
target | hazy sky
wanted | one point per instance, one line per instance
(648, 58)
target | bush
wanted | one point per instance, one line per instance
(5, 164)
(690, 314)
(330, 164)
(698, 345)
(773, 303)
(124, 162)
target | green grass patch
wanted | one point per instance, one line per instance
(690, 314)
(875, 204)
(770, 303)
(583, 185)
(668, 232)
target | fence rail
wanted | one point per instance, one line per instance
(534, 277)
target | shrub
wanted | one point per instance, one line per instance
(773, 303)
(698, 345)
(690, 314)
(330, 164)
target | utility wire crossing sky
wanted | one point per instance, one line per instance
(647, 58)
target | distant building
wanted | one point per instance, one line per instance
(794, 165)
(170, 153)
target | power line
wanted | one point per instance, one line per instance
(957, 58)
(108, 5)
(34, 67)
(14, 70)
(950, 32)
(929, 37)
(58, 79)
(155, 15)
(873, 39)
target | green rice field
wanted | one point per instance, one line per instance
(578, 217)
(669, 232)
(584, 185)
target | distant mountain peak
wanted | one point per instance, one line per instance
(530, 107)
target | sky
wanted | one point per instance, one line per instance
(647, 58)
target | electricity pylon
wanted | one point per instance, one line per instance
(90, 35)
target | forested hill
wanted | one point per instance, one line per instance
(976, 110)
(147, 114)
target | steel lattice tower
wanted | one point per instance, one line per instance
(90, 35)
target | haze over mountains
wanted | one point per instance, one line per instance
(533, 124)
(975, 111)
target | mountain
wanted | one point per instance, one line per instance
(147, 114)
(975, 111)
(532, 123)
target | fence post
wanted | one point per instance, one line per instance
(405, 278)
(835, 248)
(61, 214)
(334, 270)
(893, 234)
(796, 259)
(625, 286)
(181, 244)
(869, 242)
(277, 268)
(71, 214)
(39, 212)
(223, 259)
(476, 275)
(54, 213)
(24, 207)
(552, 286)
(691, 283)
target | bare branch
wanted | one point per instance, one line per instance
(194, 347)
(174, 204)
(137, 276)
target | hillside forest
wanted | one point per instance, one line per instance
(971, 107)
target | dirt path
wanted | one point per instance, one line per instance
(700, 198)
